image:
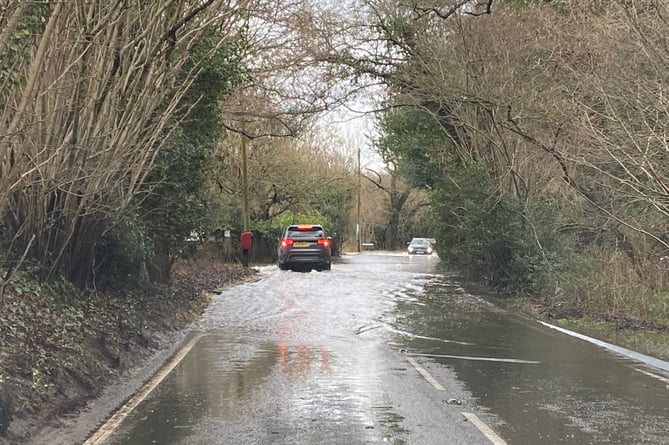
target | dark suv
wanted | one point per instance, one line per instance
(304, 246)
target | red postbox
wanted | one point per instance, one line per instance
(245, 240)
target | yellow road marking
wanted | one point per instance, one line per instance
(114, 421)
(426, 375)
(485, 429)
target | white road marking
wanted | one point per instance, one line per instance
(485, 429)
(426, 375)
(485, 359)
(114, 421)
(655, 376)
(473, 418)
(645, 359)
(443, 340)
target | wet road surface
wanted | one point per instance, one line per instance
(387, 348)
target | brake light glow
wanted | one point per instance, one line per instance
(286, 242)
(304, 226)
(324, 242)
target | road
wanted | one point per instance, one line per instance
(388, 348)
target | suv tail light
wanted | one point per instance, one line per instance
(324, 242)
(286, 242)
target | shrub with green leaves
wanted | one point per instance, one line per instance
(498, 238)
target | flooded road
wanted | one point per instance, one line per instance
(387, 348)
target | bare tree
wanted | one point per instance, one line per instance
(82, 129)
(566, 109)
(285, 174)
(397, 193)
(292, 78)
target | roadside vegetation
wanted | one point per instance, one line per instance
(62, 345)
(539, 131)
(120, 160)
(527, 136)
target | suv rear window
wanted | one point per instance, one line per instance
(305, 231)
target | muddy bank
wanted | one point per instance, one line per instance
(61, 348)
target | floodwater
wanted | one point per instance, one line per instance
(321, 357)
(577, 393)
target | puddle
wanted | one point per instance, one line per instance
(229, 390)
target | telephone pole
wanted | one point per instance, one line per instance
(245, 199)
(245, 187)
(358, 231)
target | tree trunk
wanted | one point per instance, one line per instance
(160, 267)
(397, 200)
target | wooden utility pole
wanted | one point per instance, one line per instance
(358, 231)
(245, 199)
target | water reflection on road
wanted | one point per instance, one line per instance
(307, 358)
(577, 394)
